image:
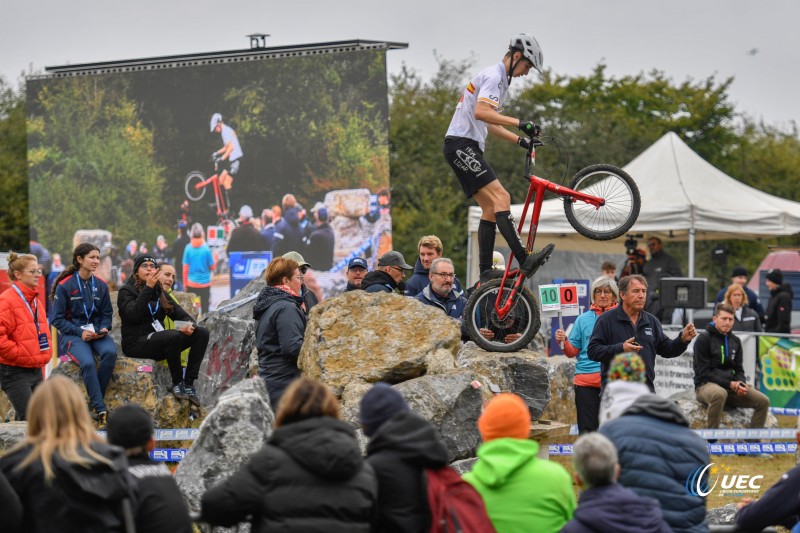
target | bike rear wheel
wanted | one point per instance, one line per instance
(622, 202)
(510, 334)
(190, 186)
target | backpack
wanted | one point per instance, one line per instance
(456, 507)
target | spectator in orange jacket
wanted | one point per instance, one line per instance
(24, 334)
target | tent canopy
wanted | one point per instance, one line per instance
(683, 198)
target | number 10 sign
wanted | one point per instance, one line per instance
(561, 299)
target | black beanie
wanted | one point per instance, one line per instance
(129, 426)
(775, 276)
(141, 258)
(378, 405)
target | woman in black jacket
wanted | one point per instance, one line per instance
(310, 477)
(143, 305)
(281, 326)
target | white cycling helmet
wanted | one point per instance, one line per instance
(530, 49)
(216, 118)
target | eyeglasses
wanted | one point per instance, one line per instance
(36, 272)
(444, 275)
(604, 291)
(303, 269)
(148, 266)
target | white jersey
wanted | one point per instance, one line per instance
(228, 135)
(490, 86)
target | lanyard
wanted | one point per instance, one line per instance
(83, 298)
(34, 312)
(153, 311)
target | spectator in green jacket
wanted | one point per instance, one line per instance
(522, 492)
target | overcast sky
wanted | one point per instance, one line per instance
(756, 42)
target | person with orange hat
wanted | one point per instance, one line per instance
(521, 491)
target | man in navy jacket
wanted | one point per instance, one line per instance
(628, 328)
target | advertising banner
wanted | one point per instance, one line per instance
(780, 372)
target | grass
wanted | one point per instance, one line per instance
(771, 468)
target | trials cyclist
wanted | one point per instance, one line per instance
(478, 113)
(229, 154)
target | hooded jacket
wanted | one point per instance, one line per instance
(135, 313)
(399, 452)
(717, 358)
(378, 281)
(420, 279)
(280, 328)
(779, 310)
(288, 235)
(657, 454)
(309, 478)
(79, 500)
(19, 338)
(615, 508)
(522, 493)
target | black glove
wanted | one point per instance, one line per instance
(529, 128)
(214, 156)
(524, 143)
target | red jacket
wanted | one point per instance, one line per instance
(19, 341)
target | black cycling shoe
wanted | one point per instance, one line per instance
(534, 261)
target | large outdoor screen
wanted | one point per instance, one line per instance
(122, 159)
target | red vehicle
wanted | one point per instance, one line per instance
(602, 202)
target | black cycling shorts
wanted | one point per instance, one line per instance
(231, 166)
(466, 158)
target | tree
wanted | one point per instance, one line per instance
(13, 168)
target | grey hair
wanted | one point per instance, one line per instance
(438, 260)
(595, 460)
(625, 281)
(603, 282)
(197, 230)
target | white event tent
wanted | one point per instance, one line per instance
(684, 198)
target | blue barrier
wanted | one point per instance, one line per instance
(738, 448)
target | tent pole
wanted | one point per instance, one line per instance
(692, 231)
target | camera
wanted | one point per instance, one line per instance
(632, 244)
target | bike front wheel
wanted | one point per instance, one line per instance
(192, 186)
(620, 210)
(508, 334)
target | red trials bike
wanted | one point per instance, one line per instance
(195, 185)
(602, 202)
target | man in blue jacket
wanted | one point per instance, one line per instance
(628, 328)
(440, 291)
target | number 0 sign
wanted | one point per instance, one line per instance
(569, 300)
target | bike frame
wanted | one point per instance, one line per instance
(219, 198)
(538, 186)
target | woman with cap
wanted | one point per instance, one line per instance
(67, 478)
(280, 326)
(604, 295)
(198, 265)
(24, 333)
(521, 491)
(744, 318)
(402, 445)
(310, 476)
(143, 308)
(82, 315)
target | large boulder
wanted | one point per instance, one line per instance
(452, 404)
(561, 408)
(228, 357)
(239, 425)
(697, 413)
(376, 337)
(6, 409)
(129, 384)
(525, 373)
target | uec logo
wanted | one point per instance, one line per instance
(700, 482)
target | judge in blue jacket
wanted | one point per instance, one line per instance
(82, 313)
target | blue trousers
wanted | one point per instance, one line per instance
(95, 379)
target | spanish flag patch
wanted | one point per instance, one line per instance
(471, 88)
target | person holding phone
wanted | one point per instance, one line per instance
(143, 308)
(24, 333)
(82, 315)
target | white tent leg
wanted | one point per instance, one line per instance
(692, 231)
